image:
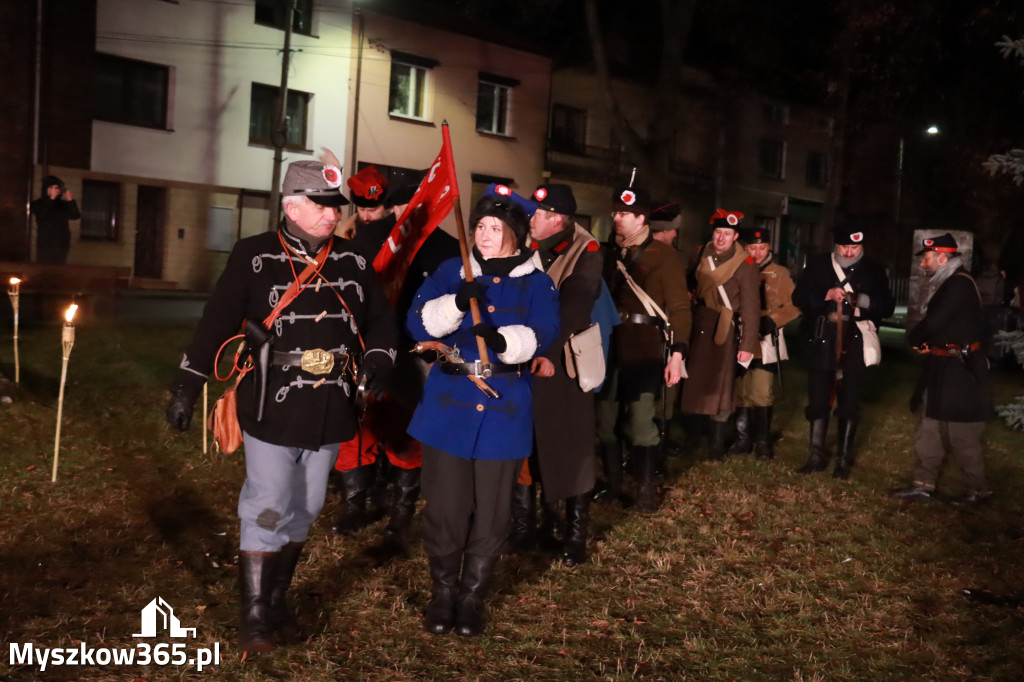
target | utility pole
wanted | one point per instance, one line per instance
(279, 136)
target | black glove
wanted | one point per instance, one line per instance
(467, 291)
(179, 411)
(494, 340)
(767, 325)
(377, 369)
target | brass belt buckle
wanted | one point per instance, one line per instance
(317, 361)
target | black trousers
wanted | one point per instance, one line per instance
(469, 503)
(819, 390)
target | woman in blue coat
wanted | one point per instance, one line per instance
(474, 444)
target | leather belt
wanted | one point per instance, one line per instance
(639, 318)
(952, 350)
(475, 369)
(315, 360)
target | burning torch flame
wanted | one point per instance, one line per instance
(69, 315)
(15, 281)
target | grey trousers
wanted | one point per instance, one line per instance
(469, 503)
(283, 493)
(962, 440)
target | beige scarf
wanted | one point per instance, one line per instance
(636, 239)
(710, 279)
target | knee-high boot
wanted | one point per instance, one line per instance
(439, 617)
(761, 428)
(255, 580)
(743, 444)
(470, 618)
(611, 463)
(354, 483)
(524, 518)
(577, 513)
(716, 447)
(818, 459)
(282, 619)
(407, 491)
(844, 456)
(647, 488)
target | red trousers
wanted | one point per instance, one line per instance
(382, 429)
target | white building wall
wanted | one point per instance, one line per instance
(216, 51)
(382, 138)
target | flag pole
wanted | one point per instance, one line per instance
(460, 227)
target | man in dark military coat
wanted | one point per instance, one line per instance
(843, 280)
(297, 408)
(954, 389)
(563, 414)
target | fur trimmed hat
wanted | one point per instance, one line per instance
(505, 209)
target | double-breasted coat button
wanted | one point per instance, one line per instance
(479, 408)
(496, 280)
(490, 308)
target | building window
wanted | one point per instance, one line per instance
(771, 157)
(263, 110)
(775, 114)
(100, 200)
(273, 13)
(568, 131)
(817, 169)
(493, 103)
(130, 91)
(409, 80)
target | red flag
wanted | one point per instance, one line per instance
(436, 193)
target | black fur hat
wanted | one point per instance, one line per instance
(505, 210)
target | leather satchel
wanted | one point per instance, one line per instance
(584, 358)
(223, 420)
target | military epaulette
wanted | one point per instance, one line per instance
(561, 247)
(593, 246)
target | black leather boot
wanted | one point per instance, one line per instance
(549, 526)
(407, 491)
(577, 513)
(282, 619)
(761, 429)
(743, 444)
(522, 534)
(716, 445)
(439, 617)
(255, 579)
(646, 486)
(354, 486)
(611, 463)
(844, 456)
(818, 460)
(470, 618)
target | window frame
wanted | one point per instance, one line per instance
(89, 227)
(305, 12)
(500, 115)
(558, 143)
(274, 91)
(779, 172)
(414, 64)
(821, 179)
(129, 71)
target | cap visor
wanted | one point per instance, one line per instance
(334, 200)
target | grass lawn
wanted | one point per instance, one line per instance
(748, 571)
